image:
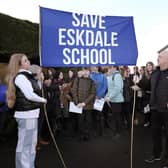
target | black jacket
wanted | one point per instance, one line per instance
(22, 103)
(159, 90)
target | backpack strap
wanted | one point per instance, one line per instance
(113, 75)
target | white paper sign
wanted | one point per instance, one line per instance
(98, 105)
(74, 109)
(146, 109)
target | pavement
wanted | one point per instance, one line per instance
(104, 151)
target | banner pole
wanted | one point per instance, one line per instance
(40, 36)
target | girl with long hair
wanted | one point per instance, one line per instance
(23, 96)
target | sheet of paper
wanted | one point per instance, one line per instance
(74, 109)
(98, 105)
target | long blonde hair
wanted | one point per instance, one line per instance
(13, 68)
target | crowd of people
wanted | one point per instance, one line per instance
(113, 84)
(29, 87)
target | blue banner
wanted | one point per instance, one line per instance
(74, 40)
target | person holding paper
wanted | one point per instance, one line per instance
(101, 88)
(83, 93)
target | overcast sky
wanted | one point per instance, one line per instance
(150, 17)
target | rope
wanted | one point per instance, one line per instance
(52, 135)
(132, 126)
(132, 130)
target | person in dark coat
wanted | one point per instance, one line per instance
(159, 106)
(144, 84)
(128, 96)
(84, 93)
